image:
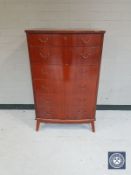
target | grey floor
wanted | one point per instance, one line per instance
(62, 149)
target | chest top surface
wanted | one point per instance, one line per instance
(62, 31)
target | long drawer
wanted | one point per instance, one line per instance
(65, 55)
(64, 39)
(66, 73)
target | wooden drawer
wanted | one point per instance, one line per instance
(49, 72)
(66, 73)
(49, 39)
(84, 82)
(65, 55)
(45, 86)
(78, 106)
(64, 40)
(86, 40)
(39, 39)
(55, 72)
(84, 55)
(47, 55)
(49, 106)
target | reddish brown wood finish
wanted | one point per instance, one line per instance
(65, 68)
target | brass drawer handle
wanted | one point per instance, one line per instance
(43, 40)
(85, 41)
(65, 37)
(48, 113)
(44, 88)
(66, 64)
(45, 56)
(85, 56)
(43, 72)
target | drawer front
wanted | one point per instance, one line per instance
(64, 39)
(39, 39)
(49, 99)
(86, 40)
(48, 72)
(85, 81)
(54, 72)
(84, 55)
(65, 55)
(67, 73)
(49, 39)
(84, 110)
(78, 107)
(49, 106)
(47, 55)
(45, 86)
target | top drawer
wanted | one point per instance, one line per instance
(64, 39)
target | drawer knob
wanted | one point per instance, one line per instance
(43, 40)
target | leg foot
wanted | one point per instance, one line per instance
(93, 126)
(37, 125)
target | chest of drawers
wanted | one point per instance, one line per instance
(65, 68)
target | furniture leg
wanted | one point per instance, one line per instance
(93, 126)
(37, 125)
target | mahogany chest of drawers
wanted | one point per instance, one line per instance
(65, 66)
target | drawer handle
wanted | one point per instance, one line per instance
(48, 113)
(66, 64)
(84, 57)
(85, 41)
(45, 56)
(43, 72)
(65, 37)
(43, 40)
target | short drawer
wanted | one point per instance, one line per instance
(45, 86)
(38, 39)
(84, 55)
(49, 39)
(46, 55)
(47, 72)
(86, 40)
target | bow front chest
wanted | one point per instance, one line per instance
(65, 68)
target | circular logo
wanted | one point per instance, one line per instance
(116, 160)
